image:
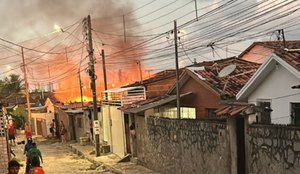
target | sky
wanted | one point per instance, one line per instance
(132, 33)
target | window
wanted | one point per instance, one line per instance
(171, 112)
(295, 113)
(264, 114)
(189, 113)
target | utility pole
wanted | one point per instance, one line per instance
(124, 27)
(104, 72)
(27, 89)
(196, 10)
(281, 32)
(177, 70)
(93, 82)
(80, 86)
(140, 70)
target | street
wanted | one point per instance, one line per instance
(59, 159)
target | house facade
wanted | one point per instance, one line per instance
(115, 123)
(202, 92)
(271, 90)
(213, 84)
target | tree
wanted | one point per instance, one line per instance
(19, 116)
(11, 86)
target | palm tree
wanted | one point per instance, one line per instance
(11, 90)
(11, 87)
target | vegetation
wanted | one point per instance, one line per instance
(19, 115)
(11, 87)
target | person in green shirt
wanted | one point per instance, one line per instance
(34, 152)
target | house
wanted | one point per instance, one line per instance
(209, 86)
(237, 116)
(204, 88)
(116, 123)
(271, 88)
(259, 51)
(76, 117)
(40, 121)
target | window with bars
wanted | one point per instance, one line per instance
(295, 113)
(264, 114)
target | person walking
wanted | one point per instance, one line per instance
(91, 129)
(11, 129)
(36, 168)
(13, 167)
(27, 147)
(28, 133)
(33, 153)
(63, 132)
(52, 128)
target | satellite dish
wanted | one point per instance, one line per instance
(227, 70)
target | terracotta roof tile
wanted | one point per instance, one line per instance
(292, 58)
(233, 109)
(231, 84)
(157, 77)
(278, 48)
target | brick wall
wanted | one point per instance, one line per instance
(3, 145)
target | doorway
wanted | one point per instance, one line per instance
(127, 136)
(240, 140)
(39, 126)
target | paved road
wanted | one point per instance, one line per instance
(58, 159)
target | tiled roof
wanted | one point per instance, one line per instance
(75, 105)
(233, 109)
(279, 45)
(232, 83)
(150, 103)
(275, 45)
(292, 58)
(141, 103)
(157, 77)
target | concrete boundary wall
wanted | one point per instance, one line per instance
(273, 149)
(186, 146)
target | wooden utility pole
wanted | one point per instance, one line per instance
(140, 71)
(104, 72)
(27, 89)
(93, 84)
(80, 86)
(177, 70)
(196, 10)
(124, 28)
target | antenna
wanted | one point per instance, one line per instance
(227, 70)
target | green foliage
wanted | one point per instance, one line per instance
(19, 116)
(11, 86)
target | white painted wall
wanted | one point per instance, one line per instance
(47, 117)
(277, 88)
(118, 134)
(106, 124)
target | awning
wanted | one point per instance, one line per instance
(163, 101)
(39, 108)
(76, 111)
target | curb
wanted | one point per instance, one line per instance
(79, 153)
